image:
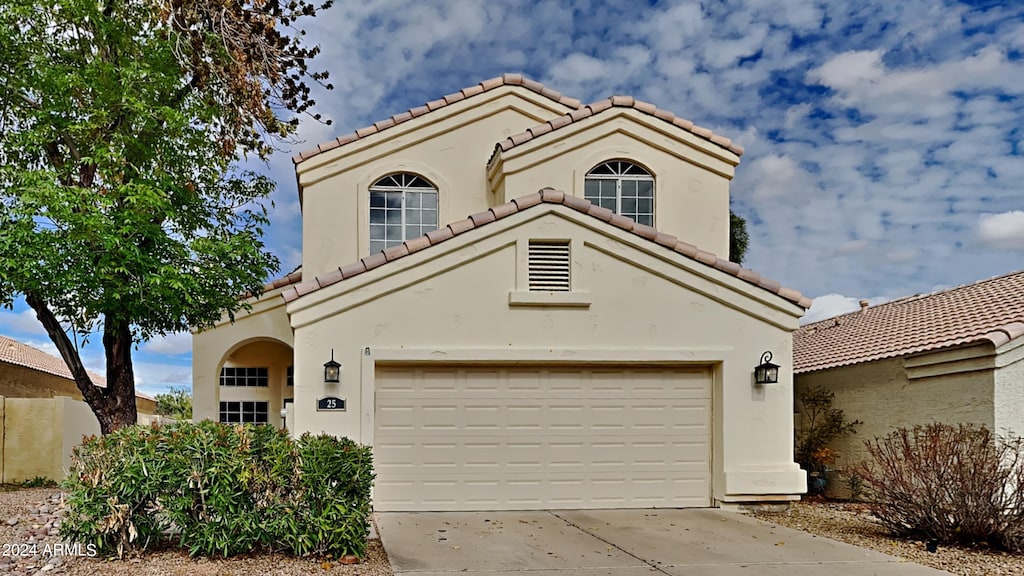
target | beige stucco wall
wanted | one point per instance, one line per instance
(691, 175)
(77, 420)
(450, 147)
(880, 395)
(266, 322)
(22, 382)
(1009, 389)
(39, 434)
(646, 304)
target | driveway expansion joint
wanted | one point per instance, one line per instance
(611, 544)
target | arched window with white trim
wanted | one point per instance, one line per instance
(402, 206)
(622, 187)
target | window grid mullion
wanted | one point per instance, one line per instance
(618, 195)
(403, 216)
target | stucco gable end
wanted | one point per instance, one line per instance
(582, 212)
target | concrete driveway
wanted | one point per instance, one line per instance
(620, 542)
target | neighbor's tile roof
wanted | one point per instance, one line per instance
(480, 88)
(990, 310)
(519, 204)
(19, 354)
(607, 104)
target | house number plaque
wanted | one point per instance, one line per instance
(330, 404)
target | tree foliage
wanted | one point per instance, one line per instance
(739, 239)
(122, 207)
(175, 404)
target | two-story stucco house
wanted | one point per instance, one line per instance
(585, 346)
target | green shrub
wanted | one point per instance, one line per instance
(217, 489)
(821, 423)
(951, 484)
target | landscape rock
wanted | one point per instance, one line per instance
(853, 523)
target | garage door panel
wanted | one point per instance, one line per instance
(554, 490)
(551, 383)
(511, 459)
(524, 438)
(622, 415)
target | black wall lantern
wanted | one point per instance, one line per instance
(332, 369)
(766, 372)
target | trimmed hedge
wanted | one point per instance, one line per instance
(219, 490)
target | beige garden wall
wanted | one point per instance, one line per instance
(452, 303)
(880, 394)
(39, 434)
(449, 146)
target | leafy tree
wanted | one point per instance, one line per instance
(739, 240)
(175, 404)
(123, 209)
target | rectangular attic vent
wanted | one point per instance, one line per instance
(549, 266)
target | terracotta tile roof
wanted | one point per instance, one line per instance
(19, 354)
(480, 88)
(292, 278)
(524, 203)
(607, 104)
(990, 310)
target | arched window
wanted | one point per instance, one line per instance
(624, 188)
(402, 206)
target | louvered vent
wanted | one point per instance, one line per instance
(549, 266)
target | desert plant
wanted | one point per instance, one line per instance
(854, 483)
(821, 423)
(39, 482)
(948, 483)
(217, 489)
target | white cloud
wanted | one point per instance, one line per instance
(851, 247)
(850, 70)
(862, 78)
(796, 115)
(24, 322)
(779, 177)
(44, 345)
(157, 378)
(171, 344)
(1005, 230)
(831, 305)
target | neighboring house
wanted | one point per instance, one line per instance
(952, 356)
(42, 415)
(581, 347)
(27, 372)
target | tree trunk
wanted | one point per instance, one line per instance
(120, 408)
(114, 406)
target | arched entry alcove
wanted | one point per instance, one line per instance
(254, 381)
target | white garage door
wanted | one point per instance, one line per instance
(490, 438)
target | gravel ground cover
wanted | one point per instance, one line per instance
(853, 524)
(30, 518)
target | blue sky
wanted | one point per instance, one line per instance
(884, 140)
